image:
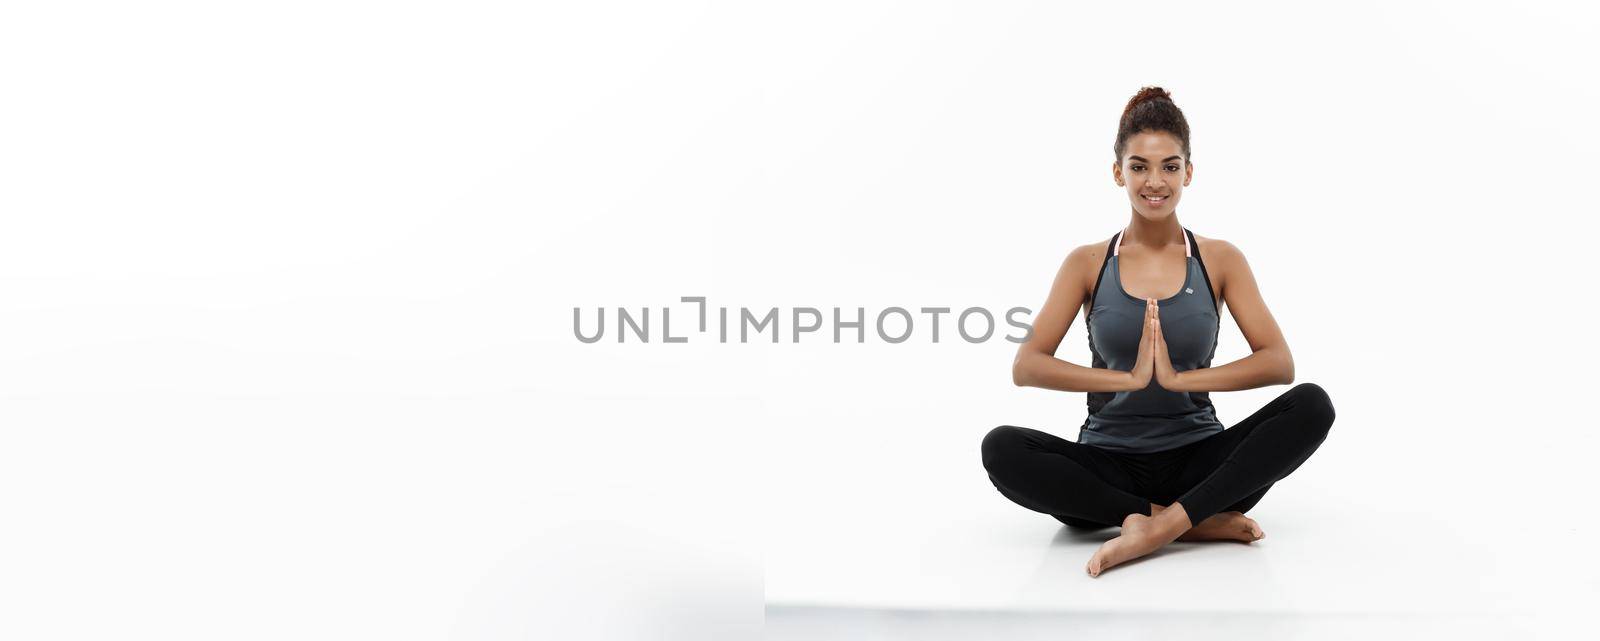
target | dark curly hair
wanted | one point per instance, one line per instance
(1152, 109)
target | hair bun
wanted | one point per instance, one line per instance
(1145, 94)
(1152, 109)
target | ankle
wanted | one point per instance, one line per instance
(1175, 517)
(1178, 515)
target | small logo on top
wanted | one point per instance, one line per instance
(1188, 290)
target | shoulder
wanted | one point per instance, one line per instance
(1082, 265)
(1224, 261)
(1086, 260)
(1089, 255)
(1218, 251)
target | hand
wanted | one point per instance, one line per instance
(1166, 375)
(1144, 363)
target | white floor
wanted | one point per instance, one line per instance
(932, 551)
(792, 622)
(1317, 574)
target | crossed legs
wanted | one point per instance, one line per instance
(1225, 474)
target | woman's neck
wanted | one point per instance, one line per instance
(1154, 234)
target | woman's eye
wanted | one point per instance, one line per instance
(1138, 167)
(1172, 167)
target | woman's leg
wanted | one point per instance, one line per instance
(1080, 523)
(1230, 471)
(1049, 474)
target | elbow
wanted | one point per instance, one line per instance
(1019, 373)
(1287, 369)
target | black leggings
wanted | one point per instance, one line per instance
(1086, 486)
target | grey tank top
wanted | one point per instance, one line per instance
(1151, 419)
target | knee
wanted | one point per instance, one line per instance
(998, 443)
(1313, 400)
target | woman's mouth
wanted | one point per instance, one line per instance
(1155, 201)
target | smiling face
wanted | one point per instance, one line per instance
(1154, 172)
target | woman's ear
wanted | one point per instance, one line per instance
(1116, 173)
(1188, 172)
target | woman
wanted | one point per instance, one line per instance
(1152, 456)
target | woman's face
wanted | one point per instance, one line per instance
(1153, 167)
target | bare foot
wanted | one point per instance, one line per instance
(1222, 526)
(1141, 535)
(1225, 526)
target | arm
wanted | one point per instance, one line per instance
(1269, 362)
(1036, 364)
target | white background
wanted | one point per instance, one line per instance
(286, 289)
